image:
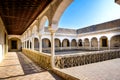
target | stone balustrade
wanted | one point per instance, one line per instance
(65, 61)
(41, 59)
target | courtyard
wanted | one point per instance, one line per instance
(59, 40)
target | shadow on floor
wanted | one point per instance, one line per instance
(28, 66)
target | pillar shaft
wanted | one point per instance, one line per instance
(70, 45)
(109, 44)
(40, 44)
(32, 43)
(90, 45)
(98, 45)
(61, 45)
(52, 50)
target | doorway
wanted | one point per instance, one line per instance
(104, 42)
(13, 44)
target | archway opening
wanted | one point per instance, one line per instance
(73, 43)
(14, 44)
(86, 42)
(80, 43)
(57, 42)
(44, 23)
(46, 43)
(36, 44)
(94, 42)
(115, 42)
(65, 43)
(104, 41)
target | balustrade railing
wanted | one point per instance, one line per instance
(65, 61)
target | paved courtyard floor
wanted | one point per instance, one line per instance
(16, 66)
(106, 70)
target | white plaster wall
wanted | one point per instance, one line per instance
(2, 45)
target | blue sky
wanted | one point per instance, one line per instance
(83, 13)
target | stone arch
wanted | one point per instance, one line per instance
(29, 33)
(14, 44)
(73, 43)
(94, 42)
(57, 42)
(46, 43)
(80, 42)
(65, 43)
(42, 24)
(115, 41)
(61, 8)
(86, 42)
(103, 41)
(34, 29)
(36, 44)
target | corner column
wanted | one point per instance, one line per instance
(61, 45)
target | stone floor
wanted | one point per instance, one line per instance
(106, 70)
(16, 66)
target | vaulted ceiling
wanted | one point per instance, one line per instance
(17, 15)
